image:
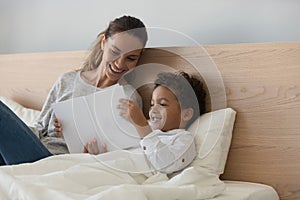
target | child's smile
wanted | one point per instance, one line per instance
(165, 112)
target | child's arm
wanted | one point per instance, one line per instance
(131, 112)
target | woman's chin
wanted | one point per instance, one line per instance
(113, 76)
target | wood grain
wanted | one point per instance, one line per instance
(27, 78)
(263, 85)
(261, 82)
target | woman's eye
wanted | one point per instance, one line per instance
(163, 104)
(115, 52)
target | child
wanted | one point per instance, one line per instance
(177, 100)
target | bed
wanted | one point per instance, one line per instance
(261, 83)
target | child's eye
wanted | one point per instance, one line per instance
(163, 104)
(160, 104)
(132, 58)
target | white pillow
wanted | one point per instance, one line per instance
(28, 116)
(213, 133)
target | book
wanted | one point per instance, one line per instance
(96, 116)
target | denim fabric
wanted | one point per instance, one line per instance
(18, 144)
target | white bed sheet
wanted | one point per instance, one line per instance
(85, 176)
(238, 190)
(234, 190)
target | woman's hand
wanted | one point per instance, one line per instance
(92, 147)
(131, 112)
(58, 128)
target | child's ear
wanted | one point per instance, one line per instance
(187, 114)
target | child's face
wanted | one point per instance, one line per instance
(165, 112)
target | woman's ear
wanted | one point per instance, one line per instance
(187, 114)
(102, 41)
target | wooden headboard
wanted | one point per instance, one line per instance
(262, 83)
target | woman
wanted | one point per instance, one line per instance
(115, 52)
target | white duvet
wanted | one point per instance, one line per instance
(114, 175)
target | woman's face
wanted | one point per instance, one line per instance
(121, 53)
(165, 112)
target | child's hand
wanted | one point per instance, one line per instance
(92, 147)
(58, 127)
(131, 112)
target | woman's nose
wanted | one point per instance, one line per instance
(121, 63)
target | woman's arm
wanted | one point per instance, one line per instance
(44, 118)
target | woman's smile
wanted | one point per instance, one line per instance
(115, 69)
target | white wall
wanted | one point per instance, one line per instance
(58, 25)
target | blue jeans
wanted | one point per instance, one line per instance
(18, 144)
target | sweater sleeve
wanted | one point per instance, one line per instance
(169, 153)
(62, 89)
(44, 118)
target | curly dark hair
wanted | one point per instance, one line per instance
(188, 90)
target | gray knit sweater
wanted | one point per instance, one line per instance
(69, 85)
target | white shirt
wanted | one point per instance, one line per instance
(169, 151)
